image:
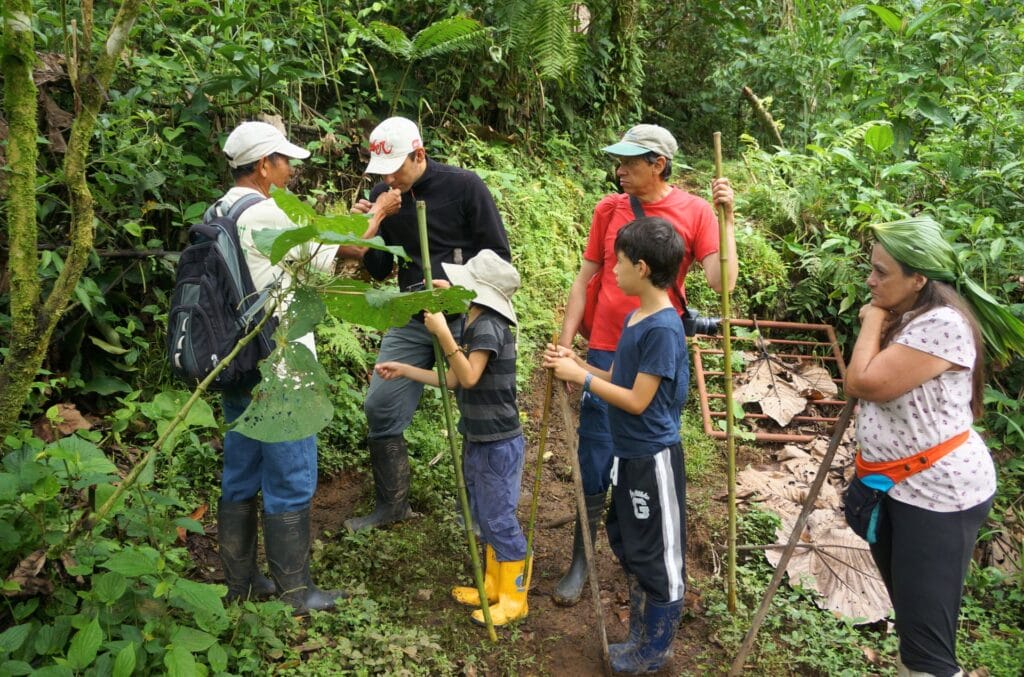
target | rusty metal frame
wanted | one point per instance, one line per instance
(793, 347)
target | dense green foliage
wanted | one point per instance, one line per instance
(885, 111)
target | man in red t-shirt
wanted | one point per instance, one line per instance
(644, 157)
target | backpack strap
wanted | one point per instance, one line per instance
(638, 212)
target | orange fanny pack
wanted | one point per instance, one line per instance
(902, 468)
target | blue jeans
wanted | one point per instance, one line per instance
(494, 471)
(390, 405)
(285, 471)
(595, 448)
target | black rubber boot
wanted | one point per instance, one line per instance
(650, 654)
(637, 599)
(237, 529)
(287, 544)
(569, 589)
(390, 460)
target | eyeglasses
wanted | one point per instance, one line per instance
(630, 161)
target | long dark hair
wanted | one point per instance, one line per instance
(936, 294)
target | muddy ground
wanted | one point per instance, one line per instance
(563, 641)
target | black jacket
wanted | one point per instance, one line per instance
(462, 219)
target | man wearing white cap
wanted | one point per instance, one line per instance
(462, 220)
(260, 157)
(644, 164)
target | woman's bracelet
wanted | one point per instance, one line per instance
(448, 356)
(586, 382)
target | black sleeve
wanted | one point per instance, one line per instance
(378, 263)
(482, 213)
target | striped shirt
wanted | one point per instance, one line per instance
(489, 410)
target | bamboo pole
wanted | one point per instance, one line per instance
(794, 537)
(730, 442)
(446, 404)
(581, 514)
(538, 467)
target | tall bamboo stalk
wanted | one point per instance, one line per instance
(538, 468)
(446, 403)
(794, 537)
(730, 443)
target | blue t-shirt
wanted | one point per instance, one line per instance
(655, 345)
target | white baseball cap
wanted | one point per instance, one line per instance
(251, 141)
(642, 139)
(493, 279)
(390, 142)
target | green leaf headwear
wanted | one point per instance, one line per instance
(918, 244)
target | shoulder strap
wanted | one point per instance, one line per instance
(638, 212)
(243, 203)
(638, 207)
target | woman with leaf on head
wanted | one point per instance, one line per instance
(925, 480)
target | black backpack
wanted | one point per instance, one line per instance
(215, 303)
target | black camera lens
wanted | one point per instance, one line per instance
(694, 323)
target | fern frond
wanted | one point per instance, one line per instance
(853, 136)
(390, 38)
(455, 34)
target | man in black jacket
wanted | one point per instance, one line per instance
(462, 219)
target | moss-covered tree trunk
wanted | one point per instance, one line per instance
(626, 75)
(33, 317)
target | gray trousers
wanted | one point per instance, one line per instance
(390, 405)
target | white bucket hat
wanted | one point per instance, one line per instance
(493, 279)
(252, 141)
(390, 143)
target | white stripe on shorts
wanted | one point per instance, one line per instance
(673, 553)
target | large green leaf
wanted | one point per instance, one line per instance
(879, 138)
(84, 645)
(292, 400)
(74, 457)
(134, 562)
(305, 311)
(203, 602)
(12, 638)
(191, 640)
(934, 112)
(360, 303)
(124, 664)
(888, 17)
(109, 587)
(180, 663)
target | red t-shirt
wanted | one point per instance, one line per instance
(695, 222)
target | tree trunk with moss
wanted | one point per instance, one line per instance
(33, 317)
(626, 75)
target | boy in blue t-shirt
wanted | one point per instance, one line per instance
(483, 372)
(645, 388)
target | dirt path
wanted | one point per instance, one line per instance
(560, 641)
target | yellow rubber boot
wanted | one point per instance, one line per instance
(470, 596)
(511, 604)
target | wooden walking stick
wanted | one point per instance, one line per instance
(446, 404)
(730, 443)
(538, 468)
(798, 529)
(581, 514)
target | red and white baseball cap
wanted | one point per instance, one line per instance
(390, 142)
